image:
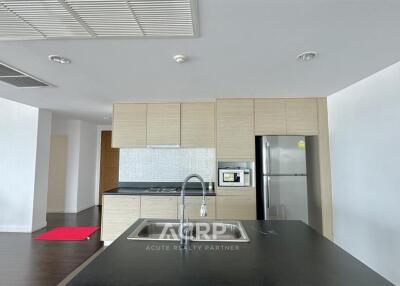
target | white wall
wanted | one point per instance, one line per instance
(81, 163)
(42, 169)
(364, 123)
(165, 165)
(87, 166)
(23, 167)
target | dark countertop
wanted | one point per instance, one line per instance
(280, 253)
(146, 192)
(170, 189)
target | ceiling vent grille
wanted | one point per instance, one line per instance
(54, 19)
(19, 79)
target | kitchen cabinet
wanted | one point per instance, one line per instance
(270, 116)
(129, 125)
(198, 125)
(286, 116)
(235, 129)
(159, 207)
(301, 116)
(119, 212)
(163, 124)
(193, 205)
(236, 207)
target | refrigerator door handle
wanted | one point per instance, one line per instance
(266, 196)
(269, 191)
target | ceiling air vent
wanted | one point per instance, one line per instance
(19, 79)
(54, 19)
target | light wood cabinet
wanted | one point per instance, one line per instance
(129, 125)
(270, 116)
(163, 124)
(119, 212)
(286, 116)
(198, 125)
(235, 129)
(301, 116)
(236, 207)
(193, 204)
(159, 207)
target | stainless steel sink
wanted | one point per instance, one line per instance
(200, 231)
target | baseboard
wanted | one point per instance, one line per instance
(56, 211)
(39, 226)
(22, 228)
(85, 208)
(70, 211)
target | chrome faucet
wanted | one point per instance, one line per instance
(203, 209)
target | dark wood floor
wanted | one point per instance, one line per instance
(24, 261)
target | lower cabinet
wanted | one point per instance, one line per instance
(118, 213)
(193, 205)
(236, 207)
(121, 211)
(159, 207)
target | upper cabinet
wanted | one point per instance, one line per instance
(235, 129)
(230, 124)
(302, 116)
(129, 125)
(164, 124)
(270, 116)
(198, 125)
(286, 116)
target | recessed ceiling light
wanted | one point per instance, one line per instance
(307, 56)
(59, 59)
(180, 59)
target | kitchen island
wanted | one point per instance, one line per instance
(284, 253)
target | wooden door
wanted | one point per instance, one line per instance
(109, 165)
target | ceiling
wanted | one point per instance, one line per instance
(245, 48)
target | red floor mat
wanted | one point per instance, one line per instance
(69, 233)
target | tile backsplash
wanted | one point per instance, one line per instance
(166, 165)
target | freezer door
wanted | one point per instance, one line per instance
(288, 198)
(286, 154)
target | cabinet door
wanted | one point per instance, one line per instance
(302, 116)
(235, 129)
(163, 124)
(236, 207)
(270, 116)
(198, 125)
(193, 205)
(119, 213)
(129, 125)
(159, 207)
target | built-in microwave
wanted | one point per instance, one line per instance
(229, 177)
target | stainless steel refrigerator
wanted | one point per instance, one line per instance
(281, 178)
